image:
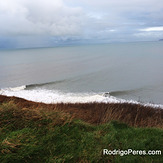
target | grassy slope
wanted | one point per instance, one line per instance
(97, 113)
(37, 135)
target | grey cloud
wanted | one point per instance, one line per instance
(67, 20)
(39, 17)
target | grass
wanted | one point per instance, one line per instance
(48, 136)
(135, 115)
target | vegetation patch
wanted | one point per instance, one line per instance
(47, 136)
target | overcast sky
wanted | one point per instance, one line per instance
(49, 22)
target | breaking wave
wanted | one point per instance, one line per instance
(56, 96)
(43, 85)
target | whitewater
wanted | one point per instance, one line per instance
(56, 96)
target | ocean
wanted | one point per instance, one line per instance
(115, 72)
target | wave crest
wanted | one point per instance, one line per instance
(55, 96)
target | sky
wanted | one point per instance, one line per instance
(40, 23)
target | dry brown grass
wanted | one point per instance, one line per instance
(94, 113)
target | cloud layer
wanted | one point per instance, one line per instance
(39, 17)
(65, 20)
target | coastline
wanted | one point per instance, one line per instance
(135, 115)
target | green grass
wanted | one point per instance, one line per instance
(48, 137)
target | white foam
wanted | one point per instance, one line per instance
(54, 96)
(16, 88)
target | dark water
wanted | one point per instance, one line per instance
(131, 71)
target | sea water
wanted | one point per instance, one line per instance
(117, 72)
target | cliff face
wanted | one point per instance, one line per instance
(98, 113)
